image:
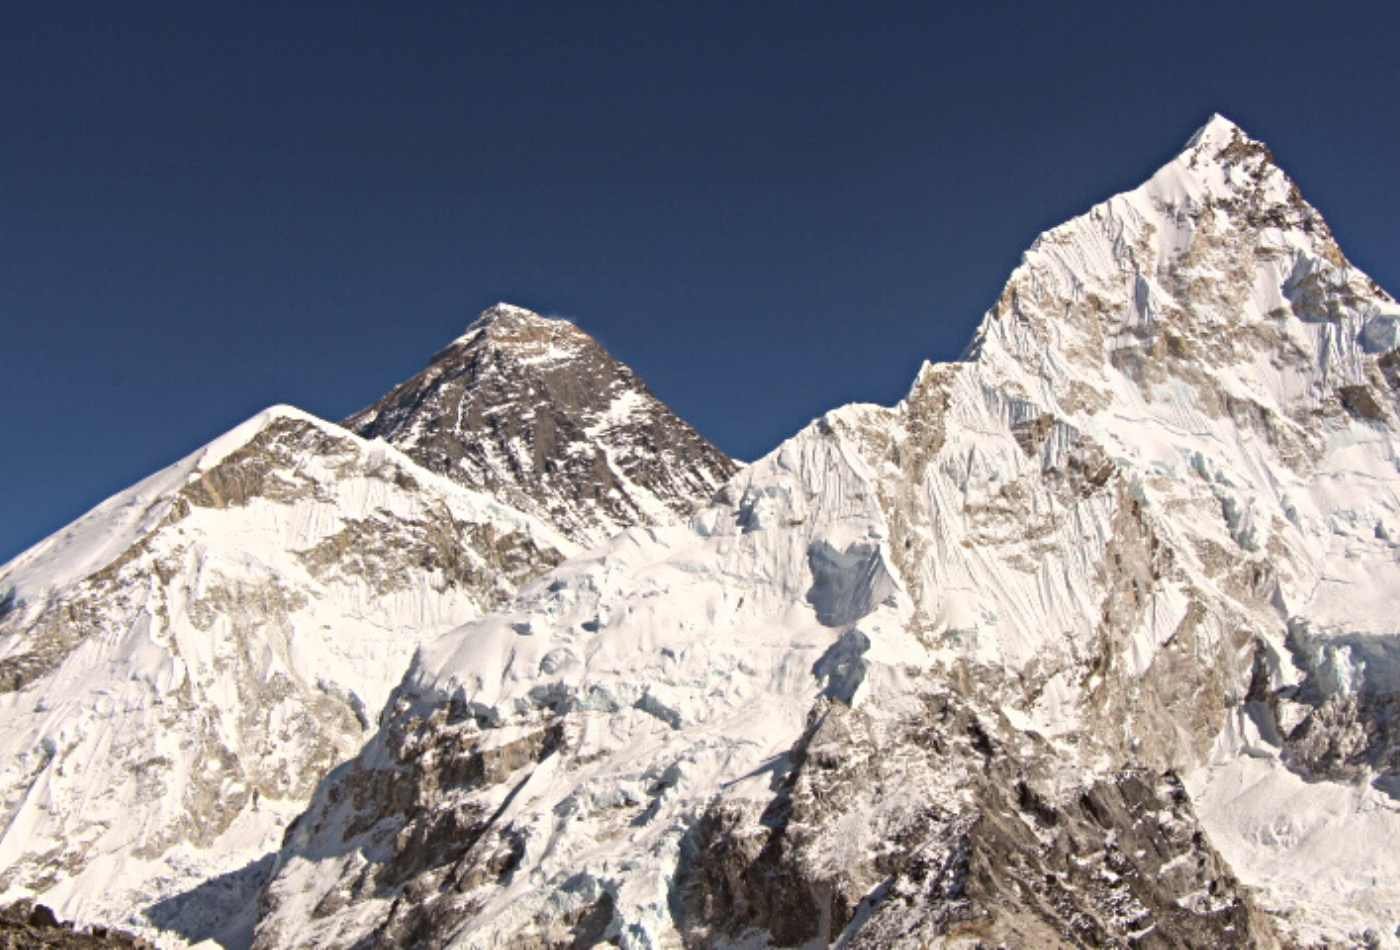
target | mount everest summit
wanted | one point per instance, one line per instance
(536, 413)
(1089, 641)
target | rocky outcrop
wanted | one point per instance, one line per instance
(25, 925)
(433, 816)
(1119, 861)
(535, 412)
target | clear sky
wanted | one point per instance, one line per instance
(766, 209)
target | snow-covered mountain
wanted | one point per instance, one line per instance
(535, 412)
(180, 666)
(1091, 640)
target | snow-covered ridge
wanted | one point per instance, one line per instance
(921, 664)
(95, 539)
(181, 664)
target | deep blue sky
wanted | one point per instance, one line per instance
(768, 210)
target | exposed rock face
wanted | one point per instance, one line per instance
(25, 925)
(1121, 859)
(180, 667)
(536, 413)
(1089, 641)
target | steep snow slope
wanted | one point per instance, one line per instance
(537, 413)
(1249, 376)
(180, 666)
(1006, 662)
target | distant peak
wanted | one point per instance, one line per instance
(1221, 141)
(1218, 131)
(502, 309)
(521, 332)
(502, 322)
(509, 314)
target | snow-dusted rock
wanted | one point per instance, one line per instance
(179, 667)
(535, 412)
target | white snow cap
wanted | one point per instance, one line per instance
(501, 308)
(1217, 131)
(508, 313)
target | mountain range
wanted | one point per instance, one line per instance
(1088, 641)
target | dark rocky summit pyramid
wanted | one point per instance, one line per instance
(535, 412)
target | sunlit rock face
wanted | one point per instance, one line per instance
(1088, 641)
(535, 412)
